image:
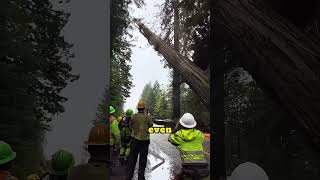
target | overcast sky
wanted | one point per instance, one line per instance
(146, 64)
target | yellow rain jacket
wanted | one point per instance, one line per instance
(115, 132)
(190, 144)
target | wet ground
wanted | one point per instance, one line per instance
(163, 159)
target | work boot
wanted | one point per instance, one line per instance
(141, 177)
(178, 177)
(121, 159)
(111, 172)
(126, 161)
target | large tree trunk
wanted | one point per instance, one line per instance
(217, 112)
(283, 60)
(193, 75)
(176, 80)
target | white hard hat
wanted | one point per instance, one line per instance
(187, 121)
(249, 171)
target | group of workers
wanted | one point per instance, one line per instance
(131, 136)
(124, 140)
(61, 165)
(58, 167)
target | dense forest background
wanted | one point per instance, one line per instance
(35, 68)
(158, 101)
(120, 79)
(34, 63)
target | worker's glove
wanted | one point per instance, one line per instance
(176, 128)
(173, 130)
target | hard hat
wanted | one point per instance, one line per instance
(6, 153)
(129, 112)
(61, 162)
(141, 104)
(249, 171)
(99, 135)
(111, 110)
(33, 177)
(187, 121)
(119, 118)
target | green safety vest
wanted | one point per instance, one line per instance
(140, 124)
(115, 132)
(190, 144)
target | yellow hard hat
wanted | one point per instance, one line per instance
(141, 104)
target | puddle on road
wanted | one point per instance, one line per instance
(163, 159)
(160, 166)
(160, 172)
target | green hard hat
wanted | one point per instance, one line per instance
(111, 110)
(6, 153)
(129, 112)
(61, 162)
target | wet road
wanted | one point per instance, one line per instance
(163, 158)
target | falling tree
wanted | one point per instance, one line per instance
(193, 75)
(284, 64)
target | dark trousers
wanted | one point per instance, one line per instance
(194, 172)
(138, 148)
(114, 155)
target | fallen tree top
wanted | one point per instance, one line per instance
(195, 77)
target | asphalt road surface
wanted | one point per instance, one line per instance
(163, 159)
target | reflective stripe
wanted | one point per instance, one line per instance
(192, 157)
(192, 152)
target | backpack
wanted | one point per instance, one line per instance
(125, 122)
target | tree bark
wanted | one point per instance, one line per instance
(217, 111)
(283, 60)
(193, 75)
(176, 80)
